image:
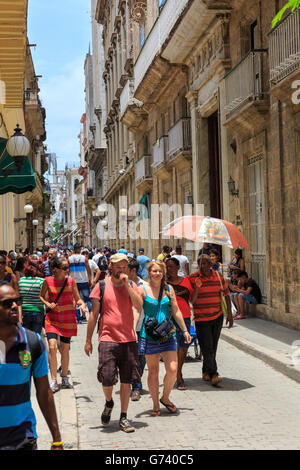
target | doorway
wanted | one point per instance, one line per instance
(214, 165)
(257, 224)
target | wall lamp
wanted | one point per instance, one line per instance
(231, 187)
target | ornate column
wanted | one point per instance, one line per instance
(192, 97)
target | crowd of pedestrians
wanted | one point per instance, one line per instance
(143, 309)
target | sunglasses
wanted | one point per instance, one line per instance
(8, 303)
(65, 268)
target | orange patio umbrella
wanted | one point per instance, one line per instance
(206, 230)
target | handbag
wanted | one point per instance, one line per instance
(160, 332)
(59, 295)
(223, 301)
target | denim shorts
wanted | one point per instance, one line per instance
(249, 299)
(149, 346)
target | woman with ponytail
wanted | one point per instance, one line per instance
(159, 301)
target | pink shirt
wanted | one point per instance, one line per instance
(116, 322)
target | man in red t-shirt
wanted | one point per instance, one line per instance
(118, 350)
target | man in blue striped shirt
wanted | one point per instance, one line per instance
(18, 362)
(80, 271)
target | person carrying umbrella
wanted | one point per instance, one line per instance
(208, 314)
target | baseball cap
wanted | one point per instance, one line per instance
(141, 250)
(12, 255)
(118, 257)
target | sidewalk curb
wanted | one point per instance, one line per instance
(68, 417)
(271, 358)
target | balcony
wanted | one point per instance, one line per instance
(131, 112)
(143, 173)
(34, 111)
(159, 33)
(284, 56)
(246, 96)
(180, 144)
(160, 169)
(152, 74)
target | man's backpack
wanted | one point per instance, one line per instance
(102, 263)
(102, 288)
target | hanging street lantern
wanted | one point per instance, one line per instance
(18, 147)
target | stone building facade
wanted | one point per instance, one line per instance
(205, 93)
(74, 196)
(96, 139)
(35, 119)
(114, 16)
(20, 104)
(265, 127)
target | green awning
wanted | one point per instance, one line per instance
(11, 180)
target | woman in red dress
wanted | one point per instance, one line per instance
(185, 295)
(60, 317)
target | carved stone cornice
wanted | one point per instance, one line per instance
(192, 97)
(212, 52)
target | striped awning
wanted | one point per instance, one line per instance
(13, 41)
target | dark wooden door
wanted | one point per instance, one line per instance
(214, 166)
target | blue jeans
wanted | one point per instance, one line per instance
(138, 386)
(33, 321)
(249, 299)
(142, 359)
(84, 292)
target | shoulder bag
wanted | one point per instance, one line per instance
(223, 301)
(59, 294)
(160, 332)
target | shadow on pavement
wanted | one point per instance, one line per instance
(143, 392)
(227, 385)
(268, 328)
(84, 398)
(163, 413)
(114, 426)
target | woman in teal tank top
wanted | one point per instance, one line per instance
(151, 310)
(150, 348)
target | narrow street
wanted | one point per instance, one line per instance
(150, 164)
(255, 408)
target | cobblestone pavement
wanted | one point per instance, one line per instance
(255, 408)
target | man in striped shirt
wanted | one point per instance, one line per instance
(80, 271)
(208, 315)
(18, 362)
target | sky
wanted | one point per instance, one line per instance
(62, 31)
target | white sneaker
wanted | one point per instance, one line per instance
(54, 386)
